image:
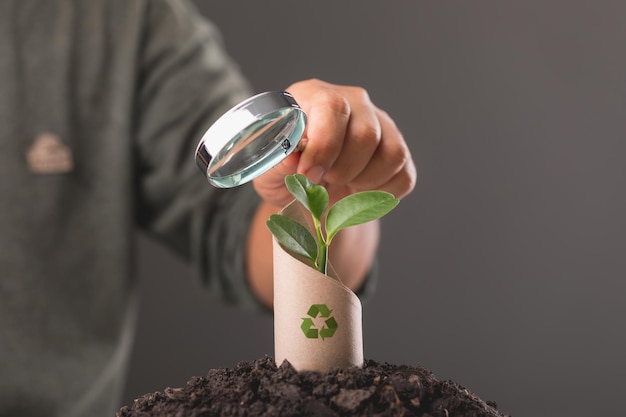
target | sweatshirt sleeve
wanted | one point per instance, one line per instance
(186, 80)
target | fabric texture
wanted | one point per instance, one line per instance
(102, 103)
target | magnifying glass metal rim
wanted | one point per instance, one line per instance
(239, 118)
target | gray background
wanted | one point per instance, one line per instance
(505, 269)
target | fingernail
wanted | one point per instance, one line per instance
(315, 174)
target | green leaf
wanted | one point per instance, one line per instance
(312, 196)
(293, 236)
(357, 209)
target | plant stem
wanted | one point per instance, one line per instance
(322, 247)
(323, 255)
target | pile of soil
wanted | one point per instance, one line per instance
(260, 388)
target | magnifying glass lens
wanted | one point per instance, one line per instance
(250, 139)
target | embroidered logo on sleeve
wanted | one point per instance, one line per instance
(49, 155)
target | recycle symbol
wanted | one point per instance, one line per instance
(308, 326)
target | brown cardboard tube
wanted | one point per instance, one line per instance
(317, 319)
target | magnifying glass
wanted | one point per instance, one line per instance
(251, 138)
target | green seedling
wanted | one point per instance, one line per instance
(355, 209)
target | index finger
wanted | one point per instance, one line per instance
(328, 113)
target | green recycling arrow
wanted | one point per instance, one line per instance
(329, 329)
(308, 326)
(320, 309)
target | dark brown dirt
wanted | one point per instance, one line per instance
(259, 388)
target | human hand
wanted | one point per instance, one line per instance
(351, 146)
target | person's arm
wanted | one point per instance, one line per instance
(351, 146)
